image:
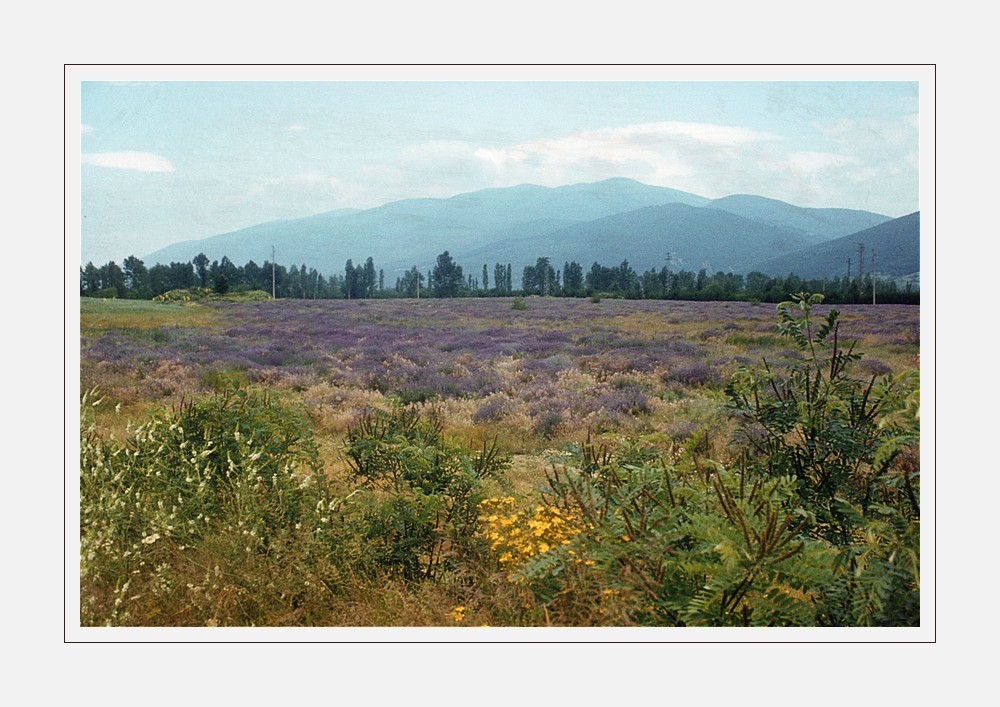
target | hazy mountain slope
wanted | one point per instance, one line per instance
(696, 237)
(607, 222)
(252, 243)
(414, 231)
(896, 244)
(817, 224)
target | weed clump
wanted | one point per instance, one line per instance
(420, 492)
(214, 512)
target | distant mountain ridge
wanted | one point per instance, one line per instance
(695, 237)
(896, 245)
(819, 224)
(607, 221)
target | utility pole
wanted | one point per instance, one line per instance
(861, 264)
(272, 273)
(669, 274)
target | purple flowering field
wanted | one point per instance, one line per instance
(553, 371)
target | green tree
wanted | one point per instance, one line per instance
(499, 277)
(200, 263)
(573, 279)
(545, 277)
(369, 279)
(652, 284)
(411, 283)
(529, 280)
(112, 280)
(253, 277)
(136, 276)
(353, 280)
(447, 276)
(90, 280)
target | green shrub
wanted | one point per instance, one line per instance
(683, 544)
(193, 294)
(422, 492)
(845, 441)
(217, 512)
(519, 304)
(820, 425)
(220, 380)
(190, 294)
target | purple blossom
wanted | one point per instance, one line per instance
(474, 348)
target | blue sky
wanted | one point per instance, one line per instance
(169, 161)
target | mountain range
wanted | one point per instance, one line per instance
(608, 222)
(894, 245)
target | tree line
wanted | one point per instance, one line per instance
(133, 280)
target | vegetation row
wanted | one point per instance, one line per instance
(447, 279)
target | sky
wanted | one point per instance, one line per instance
(171, 161)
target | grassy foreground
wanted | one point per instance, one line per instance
(468, 463)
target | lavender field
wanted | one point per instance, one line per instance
(520, 384)
(555, 370)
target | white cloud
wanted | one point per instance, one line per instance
(706, 159)
(717, 160)
(700, 132)
(645, 141)
(657, 152)
(141, 161)
(86, 129)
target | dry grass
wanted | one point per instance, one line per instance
(100, 315)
